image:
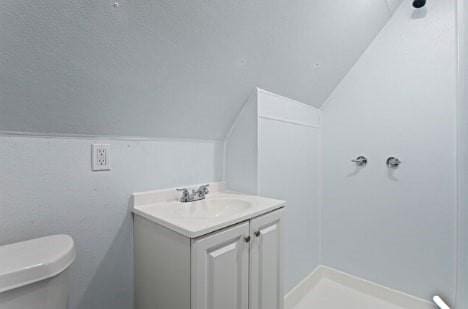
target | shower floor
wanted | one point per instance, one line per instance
(330, 295)
(330, 289)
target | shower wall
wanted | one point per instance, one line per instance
(396, 227)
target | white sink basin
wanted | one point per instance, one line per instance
(212, 208)
(218, 210)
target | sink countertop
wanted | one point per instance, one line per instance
(163, 208)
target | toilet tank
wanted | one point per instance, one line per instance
(33, 273)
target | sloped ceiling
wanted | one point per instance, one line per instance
(170, 68)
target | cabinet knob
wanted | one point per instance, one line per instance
(247, 239)
(257, 234)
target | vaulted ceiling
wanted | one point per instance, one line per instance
(170, 68)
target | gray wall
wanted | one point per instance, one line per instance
(170, 68)
(462, 299)
(397, 227)
(147, 68)
(46, 187)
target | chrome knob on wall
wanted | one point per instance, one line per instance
(360, 161)
(393, 162)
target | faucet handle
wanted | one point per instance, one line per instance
(204, 189)
(185, 194)
(360, 161)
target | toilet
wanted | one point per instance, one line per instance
(33, 273)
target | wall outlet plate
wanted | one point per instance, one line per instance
(100, 160)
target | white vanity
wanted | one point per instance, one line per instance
(223, 252)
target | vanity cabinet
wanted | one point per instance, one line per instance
(266, 284)
(238, 267)
(220, 269)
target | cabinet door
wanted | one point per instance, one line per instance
(266, 285)
(220, 269)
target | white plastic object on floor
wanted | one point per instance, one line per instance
(440, 302)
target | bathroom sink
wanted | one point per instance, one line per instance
(193, 219)
(210, 208)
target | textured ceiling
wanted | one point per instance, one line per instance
(170, 68)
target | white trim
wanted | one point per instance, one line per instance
(287, 110)
(4, 133)
(289, 121)
(460, 164)
(398, 298)
(284, 97)
(320, 199)
(294, 296)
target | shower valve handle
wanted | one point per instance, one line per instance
(360, 161)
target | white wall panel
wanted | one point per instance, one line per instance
(288, 170)
(273, 150)
(277, 107)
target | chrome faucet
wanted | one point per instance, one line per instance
(185, 198)
(196, 195)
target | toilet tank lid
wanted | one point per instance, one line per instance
(34, 260)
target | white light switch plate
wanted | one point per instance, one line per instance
(100, 157)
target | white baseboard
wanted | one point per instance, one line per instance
(295, 295)
(398, 298)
